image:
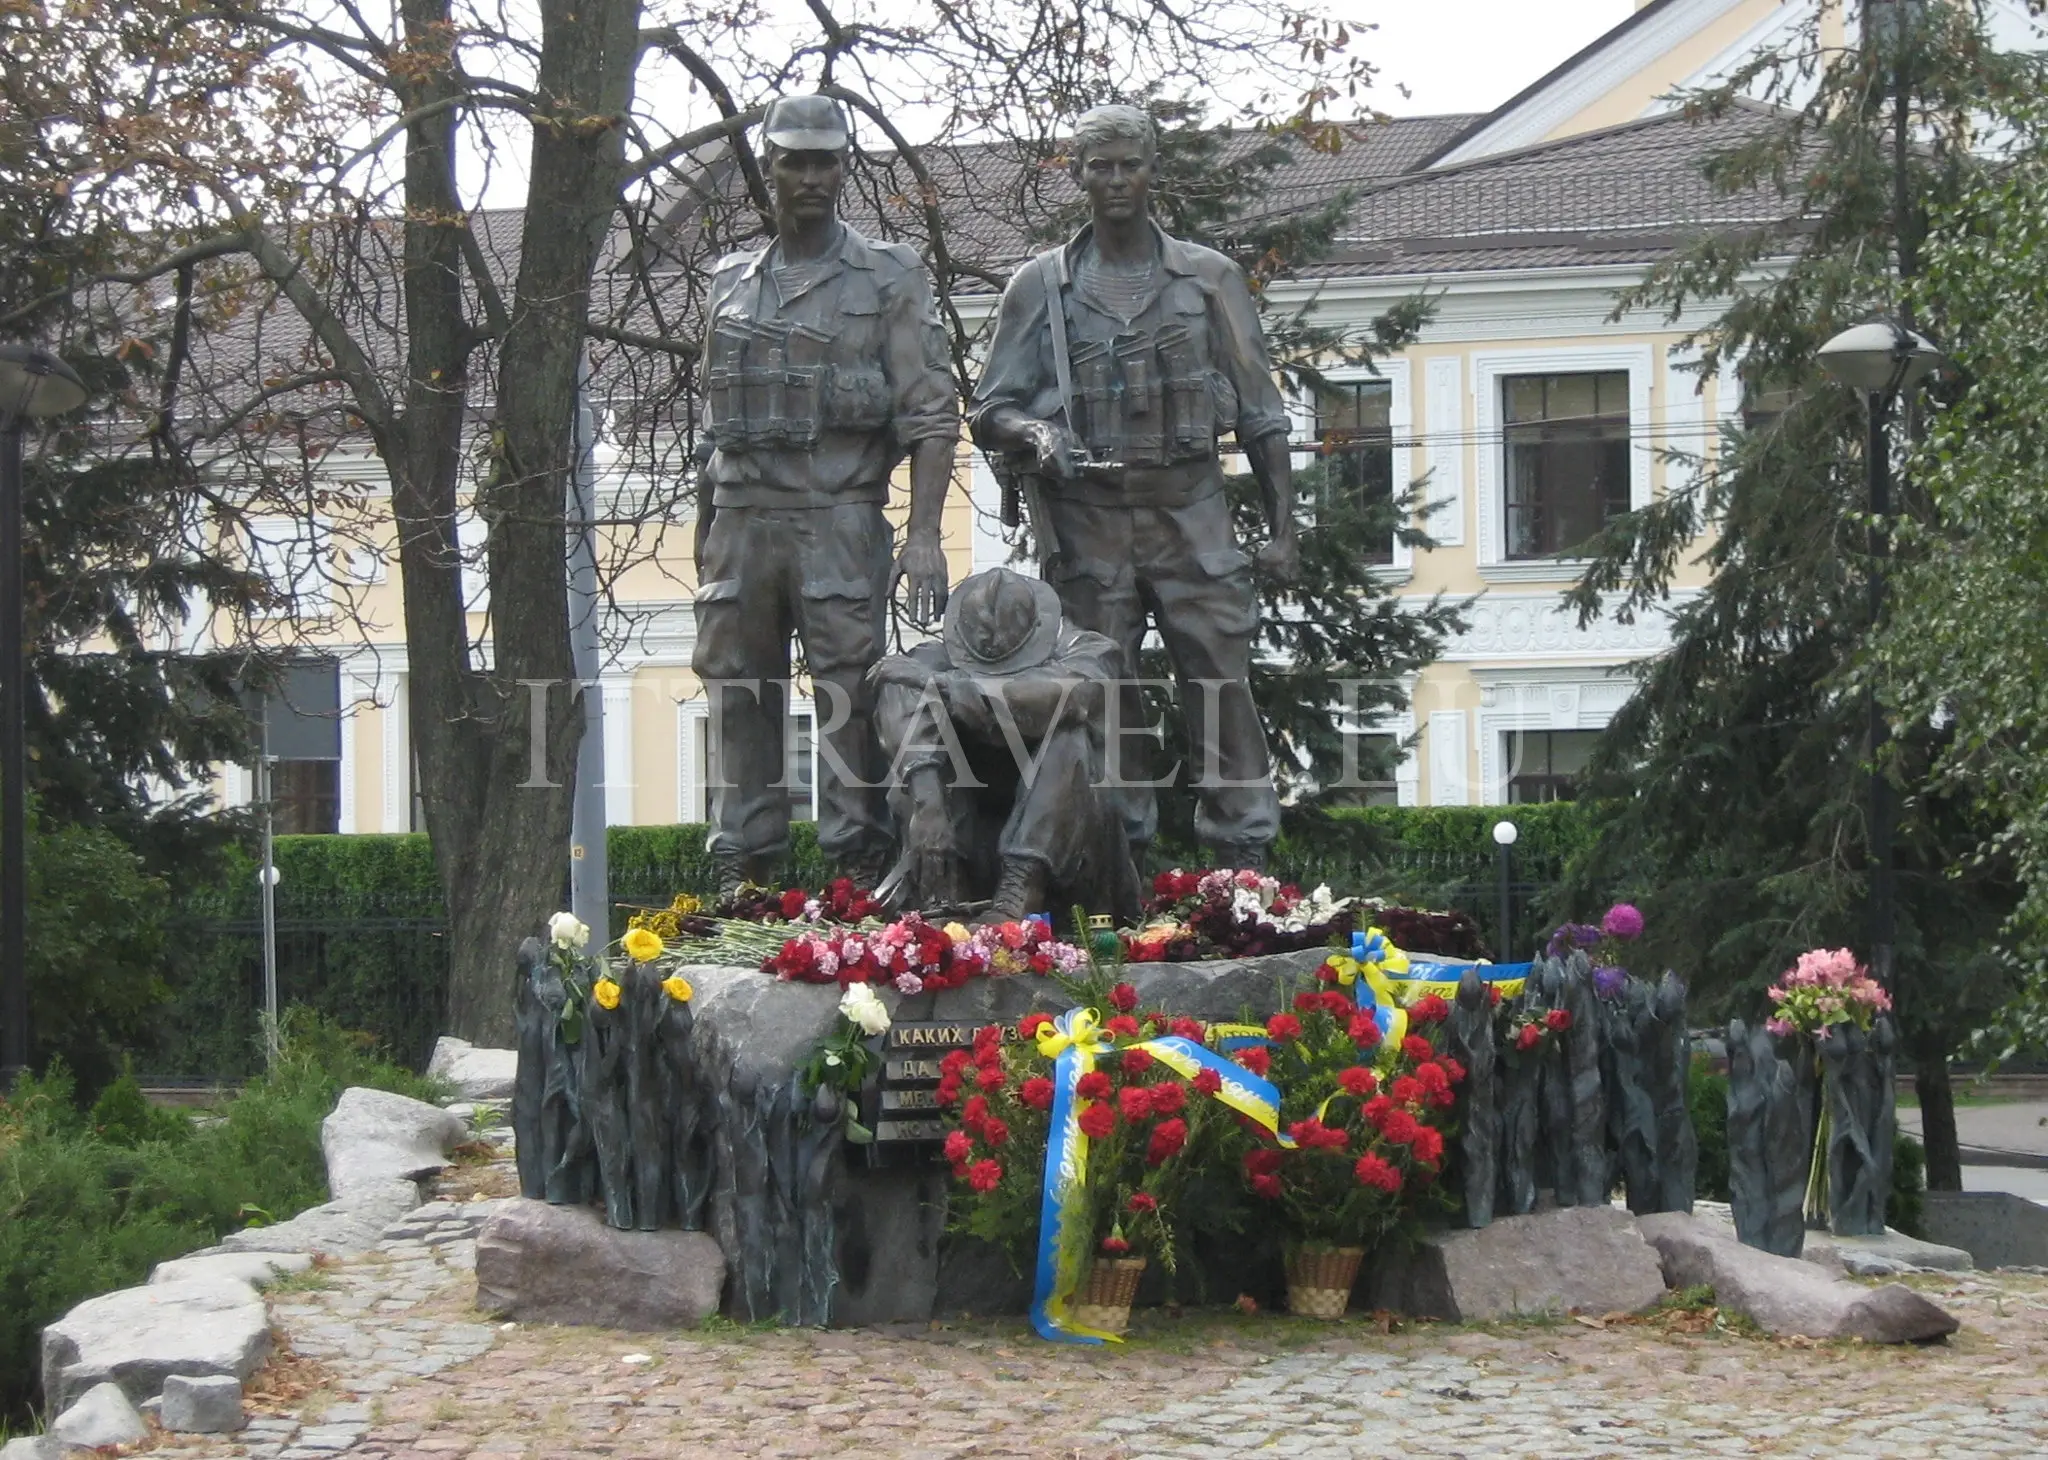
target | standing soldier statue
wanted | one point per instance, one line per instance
(826, 366)
(1118, 360)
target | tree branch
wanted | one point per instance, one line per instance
(690, 141)
(672, 44)
(682, 347)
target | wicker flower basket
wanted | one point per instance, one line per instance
(1103, 1300)
(1319, 1279)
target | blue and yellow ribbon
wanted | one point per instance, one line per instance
(1395, 983)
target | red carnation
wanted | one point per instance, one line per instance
(1208, 1081)
(1144, 1201)
(1492, 995)
(955, 1061)
(1030, 1024)
(1400, 1127)
(1558, 1019)
(1406, 1090)
(1262, 1161)
(1136, 1061)
(1283, 1026)
(976, 1111)
(1429, 1009)
(1433, 1078)
(958, 1146)
(1098, 1120)
(987, 1040)
(1092, 1086)
(1255, 1057)
(1375, 1110)
(1417, 1048)
(1123, 998)
(1167, 1139)
(948, 1091)
(1115, 1246)
(797, 960)
(1267, 1187)
(792, 904)
(1036, 1093)
(1170, 1098)
(1358, 1080)
(1528, 1037)
(1307, 1001)
(1123, 1025)
(984, 1176)
(990, 1078)
(1428, 1145)
(1454, 1071)
(1041, 962)
(1327, 973)
(1135, 1102)
(1372, 1171)
(994, 1131)
(1188, 1029)
(1365, 1031)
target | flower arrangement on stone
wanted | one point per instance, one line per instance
(1605, 945)
(838, 901)
(600, 980)
(1530, 1027)
(840, 1062)
(1824, 989)
(917, 956)
(1232, 913)
(1364, 1116)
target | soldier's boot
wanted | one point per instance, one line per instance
(1020, 890)
(737, 872)
(1245, 856)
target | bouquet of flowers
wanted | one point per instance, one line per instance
(915, 955)
(1605, 944)
(840, 1063)
(838, 901)
(1824, 988)
(1233, 913)
(600, 980)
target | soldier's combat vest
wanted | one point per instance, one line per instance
(779, 385)
(1151, 396)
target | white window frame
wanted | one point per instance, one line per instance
(1489, 369)
(277, 556)
(1539, 699)
(693, 725)
(1396, 372)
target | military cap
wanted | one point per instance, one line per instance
(805, 124)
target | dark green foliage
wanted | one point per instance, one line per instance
(1905, 1207)
(1707, 1095)
(89, 1203)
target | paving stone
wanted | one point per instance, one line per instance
(204, 1404)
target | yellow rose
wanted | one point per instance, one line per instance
(606, 993)
(685, 905)
(678, 988)
(642, 945)
(957, 932)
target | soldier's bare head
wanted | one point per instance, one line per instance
(1115, 158)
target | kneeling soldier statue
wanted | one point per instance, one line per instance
(994, 737)
(826, 365)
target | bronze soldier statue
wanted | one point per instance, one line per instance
(826, 366)
(1118, 361)
(994, 736)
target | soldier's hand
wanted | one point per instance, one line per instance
(1056, 448)
(898, 669)
(1281, 558)
(923, 562)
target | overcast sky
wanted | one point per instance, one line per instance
(1472, 55)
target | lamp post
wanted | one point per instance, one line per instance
(33, 383)
(1504, 834)
(1879, 358)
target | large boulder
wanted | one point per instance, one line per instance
(374, 1137)
(33, 1447)
(475, 1071)
(1583, 1259)
(562, 1264)
(339, 1228)
(98, 1418)
(137, 1337)
(1786, 1296)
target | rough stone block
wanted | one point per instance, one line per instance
(254, 1268)
(1786, 1296)
(1997, 1228)
(476, 1072)
(1588, 1259)
(374, 1137)
(338, 1228)
(138, 1337)
(1884, 1254)
(101, 1416)
(552, 1264)
(207, 1404)
(32, 1447)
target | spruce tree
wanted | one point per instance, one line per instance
(1736, 775)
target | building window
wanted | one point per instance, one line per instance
(1355, 434)
(1545, 765)
(1763, 404)
(1567, 449)
(800, 762)
(305, 797)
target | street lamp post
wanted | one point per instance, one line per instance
(1504, 834)
(33, 383)
(1879, 359)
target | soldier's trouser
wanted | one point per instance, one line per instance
(1181, 566)
(768, 573)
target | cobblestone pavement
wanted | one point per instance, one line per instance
(390, 1363)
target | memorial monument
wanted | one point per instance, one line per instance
(1119, 360)
(826, 366)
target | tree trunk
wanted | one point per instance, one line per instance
(1938, 1119)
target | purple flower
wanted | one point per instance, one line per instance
(1609, 981)
(1622, 921)
(1569, 936)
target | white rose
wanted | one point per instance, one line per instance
(568, 931)
(863, 1007)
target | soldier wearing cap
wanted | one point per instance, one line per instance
(1119, 361)
(995, 740)
(825, 366)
